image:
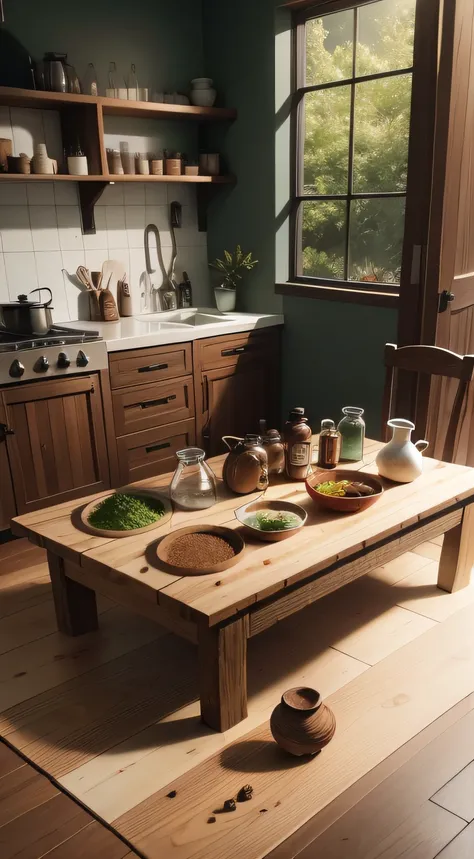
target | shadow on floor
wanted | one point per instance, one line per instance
(115, 702)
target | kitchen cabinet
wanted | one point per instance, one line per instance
(56, 440)
(237, 380)
(7, 498)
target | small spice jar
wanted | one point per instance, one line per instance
(330, 440)
(271, 440)
(352, 429)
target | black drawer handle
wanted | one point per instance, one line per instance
(162, 402)
(152, 367)
(157, 447)
(237, 351)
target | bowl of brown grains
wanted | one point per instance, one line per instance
(200, 549)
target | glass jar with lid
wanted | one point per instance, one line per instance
(352, 429)
(194, 484)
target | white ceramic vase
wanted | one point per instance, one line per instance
(202, 93)
(225, 298)
(401, 460)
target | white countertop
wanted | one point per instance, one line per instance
(136, 332)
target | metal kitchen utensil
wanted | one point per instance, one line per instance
(27, 317)
(83, 274)
(166, 294)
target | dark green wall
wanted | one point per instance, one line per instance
(163, 39)
(332, 352)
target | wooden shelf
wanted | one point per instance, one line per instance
(15, 97)
(82, 119)
(61, 177)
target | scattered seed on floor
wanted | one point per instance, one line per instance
(229, 805)
(211, 819)
(263, 810)
(171, 794)
(245, 793)
(278, 803)
(144, 569)
(266, 563)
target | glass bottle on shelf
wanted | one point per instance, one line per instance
(111, 91)
(329, 444)
(132, 83)
(90, 86)
(194, 484)
(352, 429)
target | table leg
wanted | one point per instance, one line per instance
(223, 673)
(75, 605)
(457, 555)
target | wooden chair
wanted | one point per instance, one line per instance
(428, 361)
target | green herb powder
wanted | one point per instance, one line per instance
(272, 521)
(122, 512)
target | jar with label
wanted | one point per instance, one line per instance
(352, 429)
(297, 435)
(329, 444)
(271, 440)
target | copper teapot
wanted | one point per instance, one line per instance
(246, 467)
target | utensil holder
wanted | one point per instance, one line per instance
(94, 305)
(77, 165)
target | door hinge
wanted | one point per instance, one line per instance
(445, 299)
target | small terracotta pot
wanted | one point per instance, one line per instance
(301, 724)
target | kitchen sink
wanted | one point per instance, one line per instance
(192, 317)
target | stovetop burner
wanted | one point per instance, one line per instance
(57, 336)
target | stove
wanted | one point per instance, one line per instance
(61, 352)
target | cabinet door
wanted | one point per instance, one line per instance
(57, 449)
(235, 399)
(7, 498)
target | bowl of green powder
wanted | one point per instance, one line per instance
(126, 511)
(271, 521)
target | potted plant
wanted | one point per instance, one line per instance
(232, 269)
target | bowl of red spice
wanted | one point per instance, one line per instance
(199, 550)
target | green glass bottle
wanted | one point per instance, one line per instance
(352, 429)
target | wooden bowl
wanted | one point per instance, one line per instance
(302, 724)
(232, 537)
(126, 490)
(270, 536)
(343, 505)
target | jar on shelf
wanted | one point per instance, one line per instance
(352, 429)
(330, 440)
(194, 484)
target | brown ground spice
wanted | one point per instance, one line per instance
(199, 551)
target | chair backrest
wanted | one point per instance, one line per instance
(428, 361)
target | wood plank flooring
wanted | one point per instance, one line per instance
(114, 716)
(39, 821)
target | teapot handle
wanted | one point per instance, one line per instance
(422, 445)
(233, 438)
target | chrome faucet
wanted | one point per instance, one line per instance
(166, 295)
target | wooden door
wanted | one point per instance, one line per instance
(450, 261)
(7, 498)
(57, 449)
(235, 399)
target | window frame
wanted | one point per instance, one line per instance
(332, 287)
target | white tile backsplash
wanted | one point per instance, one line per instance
(44, 228)
(41, 241)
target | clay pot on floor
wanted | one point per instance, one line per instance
(301, 724)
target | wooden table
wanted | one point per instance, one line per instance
(271, 581)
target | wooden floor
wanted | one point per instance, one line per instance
(114, 716)
(37, 819)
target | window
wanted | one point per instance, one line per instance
(351, 123)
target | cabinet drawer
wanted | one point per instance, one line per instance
(145, 454)
(228, 351)
(139, 366)
(146, 406)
